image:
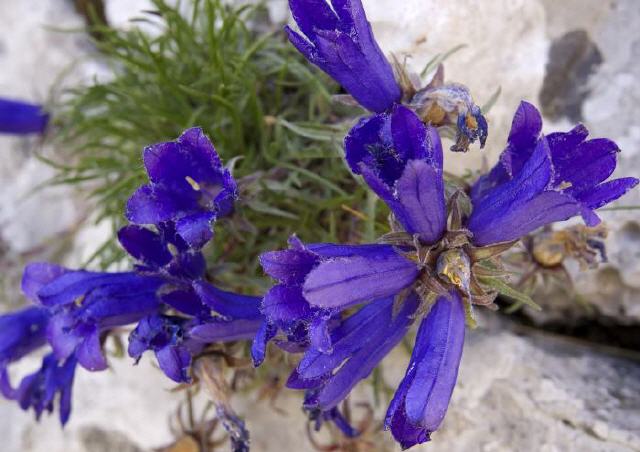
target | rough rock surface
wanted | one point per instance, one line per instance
(515, 392)
(541, 393)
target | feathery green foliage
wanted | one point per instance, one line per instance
(225, 69)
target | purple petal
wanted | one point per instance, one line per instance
(384, 192)
(526, 127)
(285, 303)
(175, 362)
(225, 331)
(186, 302)
(6, 389)
(228, 304)
(407, 434)
(437, 357)
(562, 143)
(608, 192)
(351, 336)
(166, 336)
(585, 165)
(372, 251)
(288, 266)
(265, 333)
(61, 336)
(152, 205)
(38, 390)
(523, 218)
(343, 46)
(196, 229)
(362, 363)
(191, 155)
(22, 332)
(188, 265)
(144, 245)
(319, 336)
(412, 140)
(523, 138)
(38, 274)
(423, 396)
(312, 14)
(295, 381)
(73, 284)
(302, 45)
(525, 131)
(110, 307)
(420, 191)
(89, 352)
(343, 282)
(370, 143)
(21, 118)
(66, 376)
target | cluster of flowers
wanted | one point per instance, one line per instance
(177, 312)
(342, 306)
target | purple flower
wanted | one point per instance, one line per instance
(539, 180)
(422, 399)
(358, 345)
(84, 304)
(318, 281)
(401, 160)
(40, 389)
(177, 311)
(187, 185)
(175, 340)
(428, 262)
(339, 41)
(165, 255)
(21, 118)
(25, 331)
(215, 315)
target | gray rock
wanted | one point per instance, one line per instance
(541, 393)
(517, 390)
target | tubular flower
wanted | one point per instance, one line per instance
(329, 377)
(572, 171)
(186, 173)
(21, 118)
(187, 185)
(420, 403)
(302, 305)
(440, 259)
(206, 314)
(339, 40)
